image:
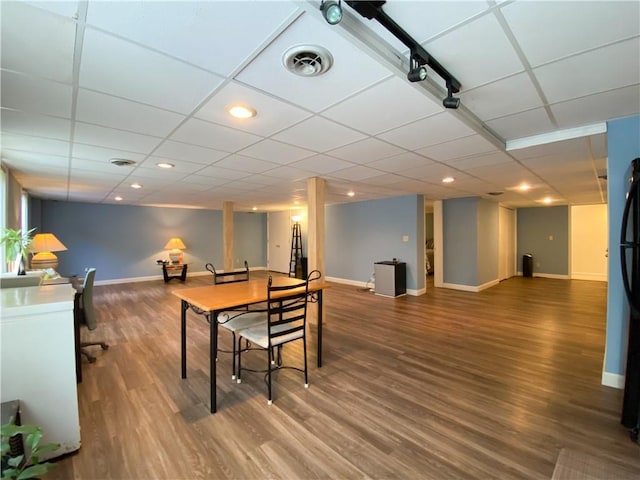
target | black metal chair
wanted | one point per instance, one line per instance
(234, 320)
(286, 323)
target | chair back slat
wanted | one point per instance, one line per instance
(287, 314)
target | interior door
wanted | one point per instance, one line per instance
(507, 243)
(589, 242)
(279, 239)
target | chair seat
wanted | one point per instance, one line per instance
(241, 321)
(260, 336)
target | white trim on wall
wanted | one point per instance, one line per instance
(471, 288)
(613, 380)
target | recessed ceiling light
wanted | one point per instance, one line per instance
(254, 208)
(547, 200)
(351, 194)
(136, 185)
(448, 179)
(524, 187)
(118, 198)
(241, 111)
(165, 165)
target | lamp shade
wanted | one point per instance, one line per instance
(43, 244)
(175, 243)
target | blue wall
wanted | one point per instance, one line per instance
(623, 138)
(460, 241)
(535, 225)
(124, 241)
(362, 233)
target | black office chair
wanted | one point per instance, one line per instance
(85, 305)
(286, 322)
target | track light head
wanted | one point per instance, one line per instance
(450, 101)
(417, 74)
(332, 11)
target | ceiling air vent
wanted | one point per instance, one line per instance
(122, 162)
(495, 194)
(307, 60)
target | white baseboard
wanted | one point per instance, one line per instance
(548, 275)
(356, 283)
(597, 277)
(613, 380)
(471, 288)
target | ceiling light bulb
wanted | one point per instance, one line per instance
(524, 187)
(241, 111)
(417, 74)
(254, 208)
(118, 198)
(136, 185)
(351, 194)
(448, 179)
(332, 11)
(547, 200)
(165, 165)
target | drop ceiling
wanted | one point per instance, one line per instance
(86, 82)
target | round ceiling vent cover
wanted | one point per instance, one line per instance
(307, 60)
(122, 162)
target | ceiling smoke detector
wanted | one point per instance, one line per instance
(307, 60)
(122, 162)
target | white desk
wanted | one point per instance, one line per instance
(38, 360)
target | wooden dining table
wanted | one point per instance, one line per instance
(211, 300)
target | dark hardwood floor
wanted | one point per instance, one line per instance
(447, 385)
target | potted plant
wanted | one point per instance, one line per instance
(16, 467)
(17, 247)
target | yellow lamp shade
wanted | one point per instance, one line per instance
(43, 244)
(175, 245)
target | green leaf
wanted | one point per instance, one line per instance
(35, 470)
(10, 473)
(46, 448)
(15, 461)
(33, 438)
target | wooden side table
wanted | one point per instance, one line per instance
(174, 270)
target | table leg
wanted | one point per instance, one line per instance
(213, 355)
(183, 336)
(319, 328)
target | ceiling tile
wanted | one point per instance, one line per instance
(35, 125)
(399, 163)
(246, 164)
(593, 108)
(321, 164)
(111, 138)
(365, 151)
(581, 78)
(99, 167)
(35, 95)
(33, 144)
(115, 66)
(467, 163)
(47, 53)
(188, 26)
(357, 172)
(520, 125)
(206, 134)
(319, 92)
(102, 154)
(20, 160)
(488, 101)
(276, 152)
(544, 34)
(272, 116)
(476, 53)
(461, 147)
(429, 131)
(319, 134)
(191, 153)
(109, 111)
(401, 101)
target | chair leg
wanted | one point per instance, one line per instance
(304, 347)
(90, 358)
(238, 378)
(233, 361)
(269, 356)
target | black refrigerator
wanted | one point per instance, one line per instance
(630, 265)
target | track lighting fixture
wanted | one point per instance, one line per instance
(419, 59)
(450, 101)
(418, 71)
(332, 11)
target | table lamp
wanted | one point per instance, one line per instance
(175, 245)
(43, 244)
